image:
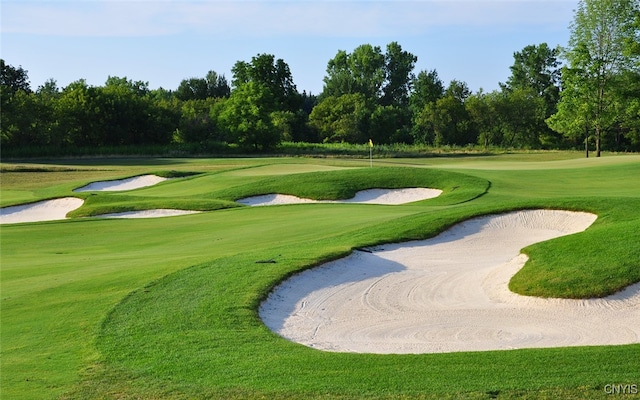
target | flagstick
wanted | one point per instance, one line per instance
(370, 157)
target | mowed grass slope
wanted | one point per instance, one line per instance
(167, 308)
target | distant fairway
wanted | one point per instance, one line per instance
(168, 307)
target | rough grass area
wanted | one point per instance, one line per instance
(167, 307)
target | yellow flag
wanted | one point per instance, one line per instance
(370, 143)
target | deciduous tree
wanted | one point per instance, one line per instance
(603, 36)
(247, 118)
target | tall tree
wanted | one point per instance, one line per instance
(14, 98)
(217, 85)
(78, 111)
(598, 54)
(399, 76)
(247, 117)
(13, 79)
(342, 119)
(362, 71)
(446, 121)
(384, 78)
(537, 68)
(192, 89)
(274, 75)
(482, 112)
(427, 88)
(211, 86)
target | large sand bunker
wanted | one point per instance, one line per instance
(47, 210)
(370, 196)
(447, 294)
(136, 182)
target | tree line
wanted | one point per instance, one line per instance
(591, 100)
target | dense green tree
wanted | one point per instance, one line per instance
(385, 83)
(481, 108)
(537, 69)
(192, 89)
(603, 37)
(13, 79)
(390, 124)
(342, 119)
(198, 121)
(627, 134)
(507, 118)
(427, 88)
(274, 75)
(217, 85)
(573, 118)
(78, 115)
(362, 71)
(46, 97)
(446, 121)
(285, 103)
(211, 86)
(15, 103)
(247, 117)
(122, 111)
(520, 115)
(383, 78)
(399, 66)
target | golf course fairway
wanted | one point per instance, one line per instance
(155, 308)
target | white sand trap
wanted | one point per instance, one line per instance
(136, 182)
(371, 196)
(48, 210)
(155, 213)
(447, 294)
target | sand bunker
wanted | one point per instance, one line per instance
(136, 182)
(156, 213)
(447, 294)
(48, 210)
(371, 196)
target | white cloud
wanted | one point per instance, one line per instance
(272, 18)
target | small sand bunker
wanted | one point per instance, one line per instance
(155, 213)
(447, 294)
(136, 182)
(48, 210)
(371, 196)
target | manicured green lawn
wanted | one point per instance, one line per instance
(167, 307)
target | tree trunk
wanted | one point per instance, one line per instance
(597, 140)
(586, 146)
(586, 141)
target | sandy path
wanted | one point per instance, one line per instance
(47, 210)
(371, 196)
(136, 182)
(445, 294)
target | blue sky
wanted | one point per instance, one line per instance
(165, 41)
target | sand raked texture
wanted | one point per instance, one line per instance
(370, 196)
(447, 294)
